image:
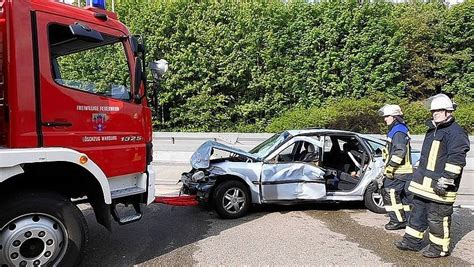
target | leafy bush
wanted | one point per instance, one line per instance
(416, 115)
(361, 116)
(464, 114)
(246, 65)
(343, 114)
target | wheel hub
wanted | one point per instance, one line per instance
(377, 199)
(32, 240)
(233, 200)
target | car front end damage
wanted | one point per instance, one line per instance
(205, 171)
(199, 183)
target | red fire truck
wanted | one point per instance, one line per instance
(69, 133)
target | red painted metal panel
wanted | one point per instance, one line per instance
(20, 90)
(3, 102)
(110, 147)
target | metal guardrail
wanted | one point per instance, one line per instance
(188, 142)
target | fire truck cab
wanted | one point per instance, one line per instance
(75, 127)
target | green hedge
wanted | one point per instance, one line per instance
(240, 65)
(361, 116)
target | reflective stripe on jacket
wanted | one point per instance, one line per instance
(443, 155)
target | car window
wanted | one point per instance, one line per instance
(269, 145)
(287, 155)
(318, 141)
(106, 72)
(376, 147)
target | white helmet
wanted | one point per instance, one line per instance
(440, 101)
(390, 110)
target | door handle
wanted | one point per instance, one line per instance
(57, 124)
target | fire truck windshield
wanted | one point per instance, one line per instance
(94, 67)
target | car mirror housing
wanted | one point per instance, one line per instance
(158, 68)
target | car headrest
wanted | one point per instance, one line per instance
(310, 148)
(346, 147)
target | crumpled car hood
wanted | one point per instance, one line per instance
(201, 158)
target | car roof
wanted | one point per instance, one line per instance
(316, 131)
(333, 131)
(372, 138)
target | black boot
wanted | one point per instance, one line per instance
(431, 254)
(395, 226)
(401, 245)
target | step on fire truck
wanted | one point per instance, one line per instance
(69, 134)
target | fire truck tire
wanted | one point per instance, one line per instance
(232, 199)
(41, 228)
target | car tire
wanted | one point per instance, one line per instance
(41, 228)
(232, 199)
(373, 199)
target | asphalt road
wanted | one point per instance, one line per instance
(317, 234)
(271, 235)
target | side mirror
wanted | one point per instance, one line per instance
(378, 152)
(137, 45)
(158, 68)
(84, 33)
(134, 45)
(138, 79)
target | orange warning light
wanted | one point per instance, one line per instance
(83, 159)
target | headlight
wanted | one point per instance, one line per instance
(197, 176)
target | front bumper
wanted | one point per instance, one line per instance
(202, 188)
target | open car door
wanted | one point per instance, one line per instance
(292, 172)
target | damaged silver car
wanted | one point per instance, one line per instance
(290, 167)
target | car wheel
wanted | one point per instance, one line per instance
(39, 229)
(232, 199)
(373, 199)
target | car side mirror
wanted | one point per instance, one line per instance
(378, 152)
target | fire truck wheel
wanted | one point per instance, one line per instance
(41, 228)
(232, 199)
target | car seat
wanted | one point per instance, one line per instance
(309, 154)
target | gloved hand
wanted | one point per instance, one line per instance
(441, 186)
(389, 170)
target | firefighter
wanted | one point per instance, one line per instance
(436, 181)
(398, 168)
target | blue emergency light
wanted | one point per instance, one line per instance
(96, 3)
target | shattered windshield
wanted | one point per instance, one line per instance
(265, 148)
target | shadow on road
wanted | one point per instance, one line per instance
(161, 230)
(352, 205)
(462, 224)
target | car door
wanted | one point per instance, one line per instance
(284, 178)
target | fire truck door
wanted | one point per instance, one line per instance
(85, 95)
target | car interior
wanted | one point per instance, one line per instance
(345, 161)
(342, 157)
